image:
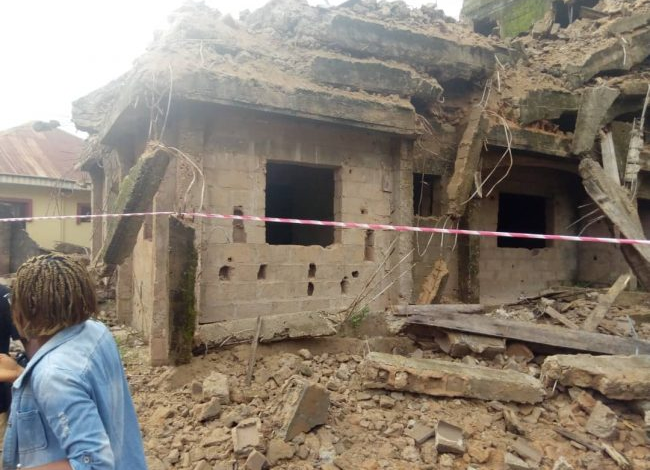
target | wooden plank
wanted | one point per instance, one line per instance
(605, 302)
(616, 203)
(406, 310)
(554, 314)
(582, 440)
(547, 335)
(608, 151)
(434, 283)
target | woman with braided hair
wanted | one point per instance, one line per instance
(71, 406)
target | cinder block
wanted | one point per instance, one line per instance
(286, 306)
(253, 309)
(316, 305)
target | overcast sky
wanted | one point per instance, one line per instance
(54, 51)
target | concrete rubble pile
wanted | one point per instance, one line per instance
(554, 381)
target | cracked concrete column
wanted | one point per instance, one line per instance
(594, 104)
(402, 215)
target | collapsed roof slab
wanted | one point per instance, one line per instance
(442, 57)
(546, 104)
(374, 76)
(530, 140)
(615, 54)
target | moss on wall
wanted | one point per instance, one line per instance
(513, 16)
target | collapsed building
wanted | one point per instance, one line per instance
(365, 112)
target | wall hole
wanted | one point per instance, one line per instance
(369, 253)
(238, 229)
(355, 274)
(345, 284)
(312, 270)
(230, 259)
(310, 289)
(224, 273)
(364, 211)
(261, 273)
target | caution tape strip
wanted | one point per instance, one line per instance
(345, 225)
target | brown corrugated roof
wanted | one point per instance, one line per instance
(50, 153)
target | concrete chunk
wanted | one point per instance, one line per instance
(304, 406)
(420, 433)
(449, 439)
(461, 344)
(594, 105)
(526, 450)
(449, 379)
(512, 462)
(256, 461)
(602, 421)
(617, 377)
(216, 386)
(136, 195)
(246, 436)
(562, 464)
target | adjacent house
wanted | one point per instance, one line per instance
(37, 178)
(366, 112)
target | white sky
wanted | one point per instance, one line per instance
(54, 51)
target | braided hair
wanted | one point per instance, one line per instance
(51, 292)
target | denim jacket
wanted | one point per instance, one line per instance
(72, 402)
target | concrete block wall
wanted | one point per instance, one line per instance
(506, 273)
(241, 280)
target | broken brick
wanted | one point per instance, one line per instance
(246, 436)
(304, 406)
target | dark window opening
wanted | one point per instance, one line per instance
(522, 214)
(421, 106)
(567, 121)
(426, 195)
(485, 26)
(82, 210)
(224, 273)
(20, 208)
(299, 192)
(312, 270)
(238, 230)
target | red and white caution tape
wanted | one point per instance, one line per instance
(346, 225)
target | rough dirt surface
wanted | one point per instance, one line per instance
(367, 429)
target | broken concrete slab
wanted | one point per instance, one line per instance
(462, 344)
(594, 104)
(467, 158)
(136, 195)
(420, 433)
(246, 436)
(450, 379)
(208, 411)
(602, 421)
(616, 203)
(374, 76)
(303, 406)
(274, 328)
(534, 334)
(547, 104)
(512, 462)
(616, 377)
(406, 310)
(440, 56)
(513, 17)
(449, 439)
(532, 140)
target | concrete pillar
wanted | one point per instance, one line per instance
(469, 254)
(402, 205)
(124, 292)
(97, 205)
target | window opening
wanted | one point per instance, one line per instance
(523, 214)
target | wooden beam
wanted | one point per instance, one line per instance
(605, 302)
(407, 310)
(547, 335)
(616, 203)
(434, 283)
(554, 314)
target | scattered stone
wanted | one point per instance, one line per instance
(305, 354)
(512, 462)
(617, 377)
(520, 352)
(602, 421)
(386, 402)
(410, 454)
(449, 438)
(207, 411)
(462, 344)
(420, 433)
(417, 354)
(302, 407)
(279, 450)
(445, 378)
(216, 386)
(197, 391)
(246, 436)
(526, 450)
(513, 424)
(161, 414)
(562, 464)
(256, 461)
(203, 465)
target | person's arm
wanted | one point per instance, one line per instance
(66, 405)
(9, 369)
